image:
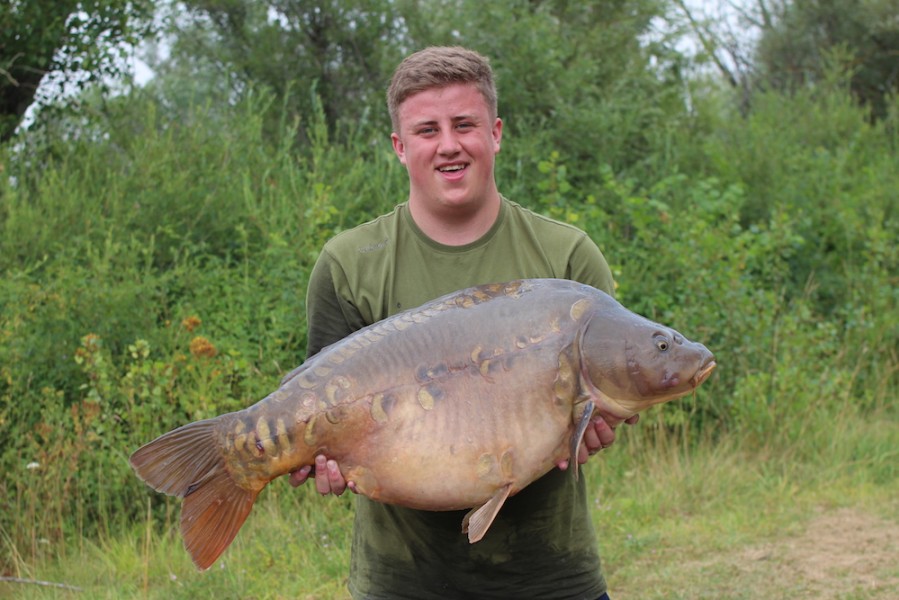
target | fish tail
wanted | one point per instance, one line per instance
(188, 463)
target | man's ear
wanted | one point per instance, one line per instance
(398, 147)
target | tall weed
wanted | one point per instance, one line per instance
(154, 272)
(154, 275)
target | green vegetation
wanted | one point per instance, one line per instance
(78, 42)
(155, 247)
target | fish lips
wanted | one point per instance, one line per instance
(703, 373)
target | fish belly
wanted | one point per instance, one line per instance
(450, 444)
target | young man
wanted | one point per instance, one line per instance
(454, 231)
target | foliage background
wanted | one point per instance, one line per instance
(155, 242)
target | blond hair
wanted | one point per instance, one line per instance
(439, 66)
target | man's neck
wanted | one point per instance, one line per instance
(456, 227)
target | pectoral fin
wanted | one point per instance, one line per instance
(578, 435)
(478, 520)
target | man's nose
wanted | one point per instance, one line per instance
(449, 141)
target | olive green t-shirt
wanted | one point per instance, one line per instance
(542, 543)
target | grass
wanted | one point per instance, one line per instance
(675, 520)
(127, 248)
(720, 521)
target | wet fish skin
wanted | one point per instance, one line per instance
(457, 404)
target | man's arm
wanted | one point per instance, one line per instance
(329, 318)
(586, 264)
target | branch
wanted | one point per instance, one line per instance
(43, 583)
(9, 78)
(6, 73)
(744, 13)
(708, 45)
(766, 15)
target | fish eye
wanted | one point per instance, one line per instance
(662, 343)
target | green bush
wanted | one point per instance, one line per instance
(154, 271)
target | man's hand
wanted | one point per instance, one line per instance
(599, 435)
(328, 478)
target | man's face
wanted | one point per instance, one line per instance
(448, 141)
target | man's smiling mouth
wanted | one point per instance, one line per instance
(451, 168)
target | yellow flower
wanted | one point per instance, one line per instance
(201, 347)
(190, 323)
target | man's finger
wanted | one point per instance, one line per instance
(604, 433)
(299, 477)
(322, 478)
(591, 440)
(335, 479)
(583, 453)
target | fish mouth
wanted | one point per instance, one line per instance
(703, 373)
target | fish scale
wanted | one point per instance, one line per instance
(457, 404)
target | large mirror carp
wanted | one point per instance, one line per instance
(457, 404)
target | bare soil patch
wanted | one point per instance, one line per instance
(841, 553)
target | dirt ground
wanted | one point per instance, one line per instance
(841, 554)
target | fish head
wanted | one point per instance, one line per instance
(633, 363)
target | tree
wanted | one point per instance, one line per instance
(598, 82)
(79, 40)
(785, 45)
(800, 46)
(331, 54)
(578, 69)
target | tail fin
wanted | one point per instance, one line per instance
(188, 463)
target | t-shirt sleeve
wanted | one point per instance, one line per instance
(588, 265)
(330, 316)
